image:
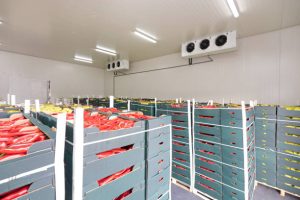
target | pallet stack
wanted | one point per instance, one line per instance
(265, 142)
(288, 149)
(30, 175)
(128, 162)
(181, 140)
(224, 151)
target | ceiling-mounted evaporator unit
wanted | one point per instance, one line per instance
(117, 65)
(215, 44)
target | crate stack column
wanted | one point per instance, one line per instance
(288, 149)
(158, 158)
(182, 164)
(265, 144)
(224, 152)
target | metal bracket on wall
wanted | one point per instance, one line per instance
(210, 59)
(190, 63)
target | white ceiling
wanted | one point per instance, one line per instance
(58, 29)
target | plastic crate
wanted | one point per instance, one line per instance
(208, 168)
(268, 112)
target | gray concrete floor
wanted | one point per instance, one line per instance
(261, 193)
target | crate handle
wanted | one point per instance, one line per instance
(206, 134)
(207, 178)
(177, 128)
(180, 167)
(207, 187)
(232, 133)
(206, 117)
(206, 125)
(234, 193)
(206, 169)
(180, 152)
(180, 159)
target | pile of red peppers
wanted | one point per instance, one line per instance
(17, 135)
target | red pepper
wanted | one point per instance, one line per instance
(16, 150)
(6, 139)
(124, 195)
(27, 138)
(3, 145)
(15, 193)
(115, 176)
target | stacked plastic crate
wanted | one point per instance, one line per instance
(181, 140)
(288, 149)
(224, 152)
(158, 158)
(265, 142)
(27, 175)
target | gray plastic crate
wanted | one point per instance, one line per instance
(208, 168)
(28, 179)
(266, 111)
(208, 186)
(208, 150)
(157, 164)
(205, 115)
(42, 188)
(180, 157)
(290, 115)
(207, 132)
(157, 182)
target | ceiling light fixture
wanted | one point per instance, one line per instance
(83, 59)
(1, 22)
(233, 8)
(145, 35)
(106, 51)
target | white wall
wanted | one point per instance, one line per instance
(27, 76)
(265, 67)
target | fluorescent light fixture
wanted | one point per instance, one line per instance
(145, 35)
(83, 59)
(233, 8)
(106, 51)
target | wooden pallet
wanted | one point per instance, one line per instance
(202, 195)
(182, 185)
(281, 191)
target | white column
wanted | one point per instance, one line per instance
(27, 107)
(78, 141)
(59, 156)
(245, 149)
(111, 101)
